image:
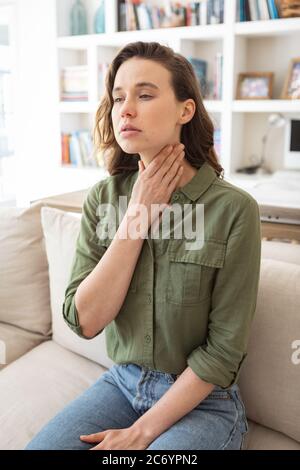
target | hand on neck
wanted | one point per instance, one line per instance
(188, 171)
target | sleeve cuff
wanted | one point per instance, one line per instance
(211, 370)
(72, 320)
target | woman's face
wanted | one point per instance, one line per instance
(152, 109)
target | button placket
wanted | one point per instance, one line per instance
(148, 339)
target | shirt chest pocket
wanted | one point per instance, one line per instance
(104, 243)
(191, 273)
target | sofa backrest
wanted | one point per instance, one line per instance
(270, 376)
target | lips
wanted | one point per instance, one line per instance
(128, 127)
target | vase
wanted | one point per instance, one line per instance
(78, 19)
(99, 23)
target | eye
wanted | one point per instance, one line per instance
(147, 96)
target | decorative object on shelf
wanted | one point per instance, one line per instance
(289, 8)
(291, 89)
(99, 22)
(74, 83)
(255, 85)
(78, 19)
(274, 120)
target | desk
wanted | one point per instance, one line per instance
(278, 197)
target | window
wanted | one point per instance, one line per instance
(7, 154)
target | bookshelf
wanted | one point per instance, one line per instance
(265, 45)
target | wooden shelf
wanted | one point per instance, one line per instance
(267, 28)
(77, 107)
(266, 106)
(117, 39)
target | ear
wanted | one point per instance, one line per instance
(188, 111)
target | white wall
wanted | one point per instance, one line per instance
(37, 94)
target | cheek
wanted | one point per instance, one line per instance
(114, 118)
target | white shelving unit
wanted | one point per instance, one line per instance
(246, 47)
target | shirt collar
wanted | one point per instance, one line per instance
(200, 182)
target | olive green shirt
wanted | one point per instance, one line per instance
(183, 307)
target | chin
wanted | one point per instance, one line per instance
(131, 149)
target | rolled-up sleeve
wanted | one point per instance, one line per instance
(233, 302)
(87, 254)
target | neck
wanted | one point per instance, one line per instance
(189, 172)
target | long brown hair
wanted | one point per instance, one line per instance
(197, 135)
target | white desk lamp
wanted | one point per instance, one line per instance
(275, 120)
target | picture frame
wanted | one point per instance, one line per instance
(291, 88)
(255, 86)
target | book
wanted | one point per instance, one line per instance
(200, 68)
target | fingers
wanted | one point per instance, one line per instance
(174, 181)
(157, 161)
(171, 163)
(141, 166)
(173, 170)
(97, 437)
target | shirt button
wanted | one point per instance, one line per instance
(148, 338)
(175, 197)
(149, 299)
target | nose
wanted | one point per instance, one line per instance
(128, 108)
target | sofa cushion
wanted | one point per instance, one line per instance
(61, 230)
(262, 438)
(55, 376)
(270, 377)
(24, 282)
(14, 342)
(37, 386)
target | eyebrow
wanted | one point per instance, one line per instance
(139, 85)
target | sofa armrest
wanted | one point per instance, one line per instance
(70, 202)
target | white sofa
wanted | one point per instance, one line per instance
(45, 365)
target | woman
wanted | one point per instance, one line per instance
(177, 315)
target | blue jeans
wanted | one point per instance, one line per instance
(124, 393)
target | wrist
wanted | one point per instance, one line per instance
(143, 431)
(137, 221)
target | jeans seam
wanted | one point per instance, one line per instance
(232, 434)
(234, 429)
(243, 415)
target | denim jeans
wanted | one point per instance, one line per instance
(124, 393)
